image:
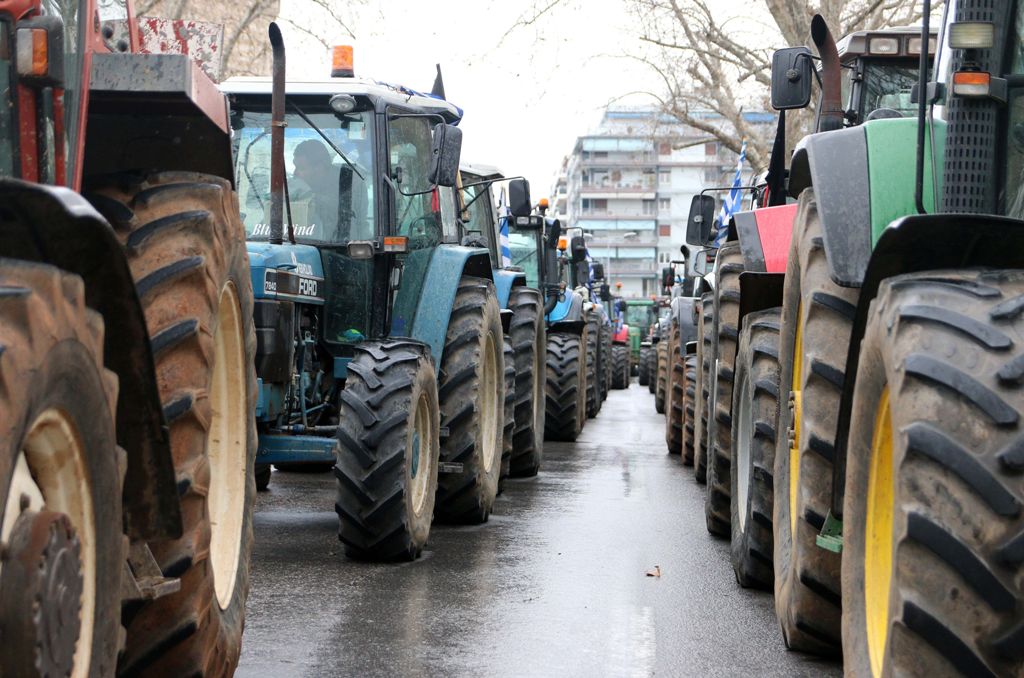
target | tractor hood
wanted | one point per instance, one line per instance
(286, 272)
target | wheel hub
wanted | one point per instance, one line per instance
(40, 596)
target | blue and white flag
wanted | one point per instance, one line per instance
(505, 214)
(731, 204)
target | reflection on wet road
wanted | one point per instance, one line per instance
(553, 585)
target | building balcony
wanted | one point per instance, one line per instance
(624, 191)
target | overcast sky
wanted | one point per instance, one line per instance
(526, 97)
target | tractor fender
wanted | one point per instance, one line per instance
(56, 226)
(910, 245)
(764, 236)
(156, 110)
(759, 291)
(448, 264)
(863, 179)
(504, 281)
(568, 308)
(683, 313)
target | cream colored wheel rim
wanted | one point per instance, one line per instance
(50, 470)
(489, 404)
(227, 446)
(420, 445)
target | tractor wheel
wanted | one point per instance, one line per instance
(61, 474)
(661, 376)
(606, 352)
(262, 473)
(643, 377)
(817, 316)
(593, 393)
(674, 392)
(471, 390)
(652, 369)
(933, 558)
(727, 311)
(387, 452)
(565, 376)
(755, 409)
(705, 358)
(689, 395)
(620, 366)
(305, 468)
(509, 422)
(185, 245)
(528, 341)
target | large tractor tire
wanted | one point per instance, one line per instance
(509, 422)
(674, 394)
(705, 359)
(727, 312)
(593, 364)
(661, 376)
(61, 473)
(185, 245)
(817, 316)
(620, 366)
(652, 369)
(933, 530)
(387, 452)
(471, 392)
(528, 341)
(643, 376)
(606, 359)
(690, 396)
(566, 383)
(755, 408)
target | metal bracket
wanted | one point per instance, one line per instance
(831, 536)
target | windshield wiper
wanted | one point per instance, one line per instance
(326, 139)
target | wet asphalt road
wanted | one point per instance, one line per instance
(553, 585)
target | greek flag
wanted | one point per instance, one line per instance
(732, 203)
(503, 221)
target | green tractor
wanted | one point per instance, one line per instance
(380, 345)
(641, 316)
(899, 494)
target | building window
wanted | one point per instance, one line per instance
(664, 204)
(600, 154)
(711, 148)
(665, 230)
(664, 257)
(648, 206)
(664, 178)
(664, 148)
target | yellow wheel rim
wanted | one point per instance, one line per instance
(878, 536)
(794, 445)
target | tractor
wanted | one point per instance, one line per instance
(127, 386)
(534, 245)
(867, 76)
(898, 494)
(522, 305)
(379, 336)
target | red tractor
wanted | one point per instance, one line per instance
(127, 382)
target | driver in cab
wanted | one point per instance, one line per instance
(318, 188)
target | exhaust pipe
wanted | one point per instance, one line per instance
(277, 186)
(830, 115)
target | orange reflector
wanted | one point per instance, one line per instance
(32, 53)
(563, 243)
(971, 83)
(341, 61)
(395, 243)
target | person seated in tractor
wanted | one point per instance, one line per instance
(317, 183)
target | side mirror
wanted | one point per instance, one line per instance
(579, 249)
(519, 197)
(791, 78)
(445, 155)
(597, 269)
(606, 292)
(702, 217)
(668, 277)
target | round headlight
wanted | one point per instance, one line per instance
(343, 103)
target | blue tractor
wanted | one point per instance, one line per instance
(379, 336)
(523, 314)
(536, 244)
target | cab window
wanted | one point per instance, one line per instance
(417, 208)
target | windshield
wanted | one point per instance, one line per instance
(523, 251)
(888, 85)
(330, 203)
(640, 316)
(6, 103)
